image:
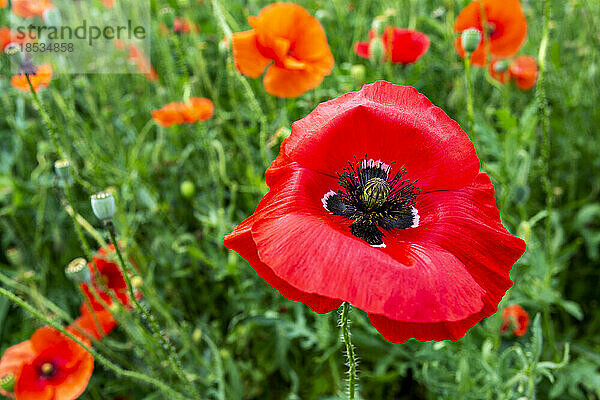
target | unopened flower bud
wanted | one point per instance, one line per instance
(63, 171)
(378, 25)
(524, 231)
(137, 282)
(103, 205)
(187, 189)
(470, 39)
(358, 72)
(78, 271)
(7, 383)
(376, 49)
(167, 16)
(197, 335)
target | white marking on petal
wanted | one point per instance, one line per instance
(382, 245)
(416, 217)
(327, 196)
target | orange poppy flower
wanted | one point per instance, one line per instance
(175, 113)
(506, 27)
(293, 45)
(49, 366)
(6, 37)
(515, 318)
(524, 70)
(95, 324)
(41, 79)
(108, 3)
(31, 8)
(3, 3)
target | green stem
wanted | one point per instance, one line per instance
(99, 357)
(469, 94)
(173, 357)
(545, 152)
(344, 324)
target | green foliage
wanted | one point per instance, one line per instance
(237, 338)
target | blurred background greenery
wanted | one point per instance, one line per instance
(237, 337)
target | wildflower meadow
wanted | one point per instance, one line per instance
(221, 199)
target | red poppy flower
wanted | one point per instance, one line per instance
(506, 27)
(499, 70)
(524, 70)
(49, 366)
(7, 37)
(111, 277)
(41, 79)
(402, 46)
(288, 37)
(95, 324)
(31, 8)
(196, 109)
(376, 199)
(515, 318)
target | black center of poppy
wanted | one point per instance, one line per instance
(374, 200)
(47, 370)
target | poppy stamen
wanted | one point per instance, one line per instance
(374, 200)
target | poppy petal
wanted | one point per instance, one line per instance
(29, 385)
(362, 49)
(405, 46)
(76, 380)
(241, 241)
(13, 360)
(288, 83)
(248, 59)
(404, 128)
(50, 341)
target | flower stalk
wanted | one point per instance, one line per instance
(345, 325)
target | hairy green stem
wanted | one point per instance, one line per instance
(545, 113)
(99, 357)
(344, 324)
(470, 109)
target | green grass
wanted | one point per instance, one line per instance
(237, 337)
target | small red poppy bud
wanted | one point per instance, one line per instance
(375, 192)
(7, 383)
(377, 50)
(515, 320)
(78, 271)
(470, 39)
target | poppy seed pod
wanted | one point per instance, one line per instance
(78, 271)
(63, 170)
(7, 383)
(377, 50)
(103, 205)
(378, 25)
(470, 39)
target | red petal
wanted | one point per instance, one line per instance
(362, 49)
(13, 360)
(30, 386)
(240, 240)
(404, 127)
(54, 344)
(407, 45)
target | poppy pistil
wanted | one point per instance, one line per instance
(373, 199)
(47, 369)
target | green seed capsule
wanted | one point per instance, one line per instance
(7, 383)
(78, 271)
(375, 192)
(470, 39)
(103, 205)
